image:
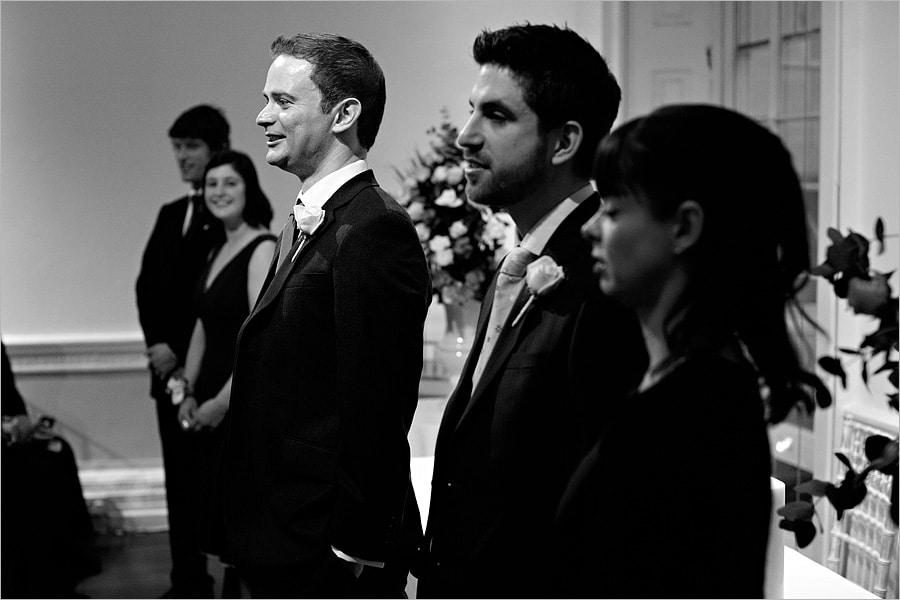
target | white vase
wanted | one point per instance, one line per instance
(454, 347)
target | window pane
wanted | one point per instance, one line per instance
(753, 22)
(801, 136)
(752, 82)
(760, 20)
(799, 85)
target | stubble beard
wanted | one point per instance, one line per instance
(509, 187)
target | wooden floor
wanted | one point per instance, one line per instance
(135, 565)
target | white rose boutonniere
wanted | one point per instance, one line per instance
(542, 277)
(308, 220)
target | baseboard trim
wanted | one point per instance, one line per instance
(50, 355)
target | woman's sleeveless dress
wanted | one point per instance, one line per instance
(222, 308)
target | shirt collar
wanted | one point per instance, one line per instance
(536, 239)
(322, 190)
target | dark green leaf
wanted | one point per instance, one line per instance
(834, 235)
(833, 366)
(813, 487)
(804, 531)
(864, 372)
(797, 511)
(879, 234)
(882, 453)
(849, 350)
(894, 399)
(843, 458)
(851, 491)
(824, 270)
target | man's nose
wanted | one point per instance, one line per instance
(591, 230)
(469, 136)
(264, 118)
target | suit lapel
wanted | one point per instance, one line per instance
(278, 275)
(562, 247)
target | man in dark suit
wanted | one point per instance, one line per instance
(172, 262)
(318, 500)
(532, 390)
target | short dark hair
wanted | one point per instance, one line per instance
(342, 68)
(257, 208)
(563, 78)
(753, 253)
(204, 122)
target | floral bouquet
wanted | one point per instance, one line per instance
(460, 240)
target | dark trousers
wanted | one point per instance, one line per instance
(189, 576)
(325, 576)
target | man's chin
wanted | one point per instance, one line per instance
(275, 160)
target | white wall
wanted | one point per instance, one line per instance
(89, 90)
(866, 164)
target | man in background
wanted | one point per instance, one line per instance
(172, 263)
(528, 401)
(318, 498)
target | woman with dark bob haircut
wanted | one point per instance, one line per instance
(703, 234)
(224, 295)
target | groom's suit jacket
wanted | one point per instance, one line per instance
(505, 450)
(325, 385)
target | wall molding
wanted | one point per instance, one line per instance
(56, 355)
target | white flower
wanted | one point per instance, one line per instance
(439, 243)
(458, 229)
(416, 210)
(308, 218)
(496, 228)
(455, 175)
(449, 198)
(443, 258)
(439, 175)
(410, 183)
(424, 232)
(423, 173)
(542, 277)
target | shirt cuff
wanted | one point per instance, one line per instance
(369, 563)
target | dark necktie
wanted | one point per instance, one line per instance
(288, 237)
(196, 220)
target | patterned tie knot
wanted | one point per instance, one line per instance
(517, 262)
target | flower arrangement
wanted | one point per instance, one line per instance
(867, 292)
(460, 239)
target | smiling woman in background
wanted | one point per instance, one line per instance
(703, 234)
(224, 295)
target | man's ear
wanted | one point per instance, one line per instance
(567, 143)
(687, 226)
(346, 113)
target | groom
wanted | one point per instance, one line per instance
(541, 370)
(318, 501)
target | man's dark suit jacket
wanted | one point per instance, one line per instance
(505, 450)
(170, 267)
(325, 385)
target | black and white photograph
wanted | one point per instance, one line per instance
(449, 299)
